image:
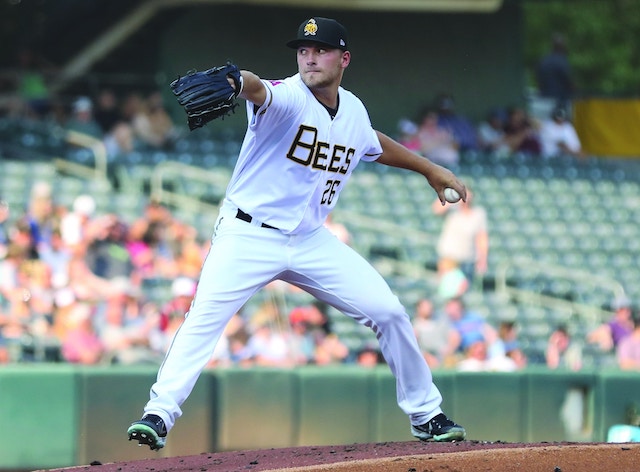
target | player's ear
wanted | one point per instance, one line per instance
(346, 58)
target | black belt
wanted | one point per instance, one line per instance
(241, 215)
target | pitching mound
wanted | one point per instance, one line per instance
(411, 456)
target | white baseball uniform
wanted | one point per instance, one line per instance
(294, 162)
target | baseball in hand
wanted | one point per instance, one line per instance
(451, 195)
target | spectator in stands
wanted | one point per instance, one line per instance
(182, 291)
(434, 141)
(188, 251)
(107, 113)
(14, 314)
(171, 314)
(608, 335)
(300, 337)
(64, 305)
(81, 344)
(85, 285)
(59, 114)
(75, 225)
(119, 141)
(152, 123)
(464, 238)
(452, 281)
(5, 212)
(521, 132)
(436, 337)
(477, 359)
(563, 352)
(149, 250)
(4, 350)
(558, 137)
(554, 75)
(238, 336)
(407, 130)
(149, 242)
(34, 277)
(327, 347)
(469, 326)
(330, 350)
(82, 120)
(231, 349)
(30, 308)
(156, 212)
(128, 324)
(11, 292)
(107, 254)
(160, 338)
(491, 135)
(474, 357)
(268, 346)
(506, 346)
(22, 237)
(628, 349)
(464, 132)
(40, 216)
(369, 356)
(33, 74)
(130, 106)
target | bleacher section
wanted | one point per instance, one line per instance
(564, 237)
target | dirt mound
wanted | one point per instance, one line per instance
(411, 456)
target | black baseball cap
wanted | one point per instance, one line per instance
(321, 30)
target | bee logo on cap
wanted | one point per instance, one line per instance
(311, 28)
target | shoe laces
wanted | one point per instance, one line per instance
(159, 422)
(439, 421)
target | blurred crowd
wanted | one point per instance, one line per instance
(71, 280)
(459, 338)
(122, 121)
(544, 130)
(139, 120)
(78, 287)
(87, 288)
(442, 134)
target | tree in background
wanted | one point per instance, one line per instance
(601, 37)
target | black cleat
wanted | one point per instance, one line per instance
(439, 428)
(150, 431)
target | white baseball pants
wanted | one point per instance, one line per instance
(243, 258)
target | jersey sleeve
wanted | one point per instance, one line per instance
(374, 151)
(282, 101)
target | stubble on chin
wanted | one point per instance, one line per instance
(316, 81)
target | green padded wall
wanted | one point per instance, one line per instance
(256, 408)
(391, 422)
(490, 406)
(39, 409)
(112, 397)
(60, 415)
(617, 394)
(552, 400)
(336, 405)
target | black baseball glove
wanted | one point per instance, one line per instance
(208, 95)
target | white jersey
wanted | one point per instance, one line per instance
(295, 160)
(552, 134)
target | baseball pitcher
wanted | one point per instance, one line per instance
(305, 136)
